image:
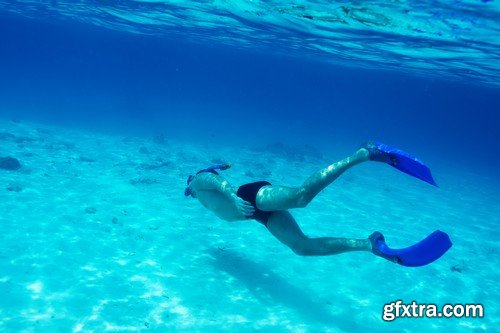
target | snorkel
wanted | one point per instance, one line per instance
(212, 169)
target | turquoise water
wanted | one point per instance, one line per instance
(110, 106)
(101, 239)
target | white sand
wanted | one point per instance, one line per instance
(84, 250)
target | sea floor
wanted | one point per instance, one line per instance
(96, 235)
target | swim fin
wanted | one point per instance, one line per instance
(420, 254)
(400, 160)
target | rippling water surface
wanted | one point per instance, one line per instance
(454, 39)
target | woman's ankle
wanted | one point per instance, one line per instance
(362, 155)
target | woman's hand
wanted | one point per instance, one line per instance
(245, 208)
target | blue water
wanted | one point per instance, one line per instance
(109, 107)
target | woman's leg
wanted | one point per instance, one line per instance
(271, 198)
(283, 226)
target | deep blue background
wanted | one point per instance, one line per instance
(75, 74)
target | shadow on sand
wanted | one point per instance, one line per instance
(271, 289)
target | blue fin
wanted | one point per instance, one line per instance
(407, 163)
(420, 254)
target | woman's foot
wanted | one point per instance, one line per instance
(375, 238)
(377, 241)
(375, 154)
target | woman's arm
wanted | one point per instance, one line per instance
(209, 181)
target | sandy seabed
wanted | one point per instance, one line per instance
(97, 236)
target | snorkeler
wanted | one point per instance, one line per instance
(269, 205)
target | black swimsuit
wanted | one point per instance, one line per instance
(248, 192)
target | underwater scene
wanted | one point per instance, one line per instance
(249, 166)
